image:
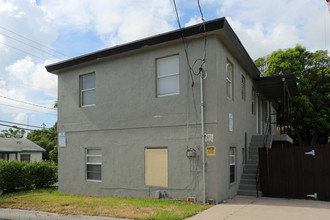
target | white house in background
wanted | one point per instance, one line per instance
(20, 149)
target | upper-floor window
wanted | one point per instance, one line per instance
(243, 87)
(229, 80)
(87, 89)
(168, 76)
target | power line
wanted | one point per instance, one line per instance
(11, 126)
(184, 42)
(15, 123)
(28, 103)
(28, 109)
(23, 51)
(44, 51)
(34, 41)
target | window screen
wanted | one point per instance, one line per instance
(168, 76)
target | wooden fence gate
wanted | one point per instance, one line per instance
(295, 172)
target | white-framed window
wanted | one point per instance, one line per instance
(243, 87)
(232, 164)
(87, 89)
(94, 164)
(253, 101)
(168, 80)
(229, 79)
(26, 157)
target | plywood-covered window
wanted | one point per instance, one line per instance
(156, 167)
(168, 82)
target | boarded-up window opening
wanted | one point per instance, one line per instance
(156, 167)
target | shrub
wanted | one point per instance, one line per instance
(12, 175)
(21, 175)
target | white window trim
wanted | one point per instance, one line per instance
(167, 76)
(92, 163)
(233, 164)
(85, 90)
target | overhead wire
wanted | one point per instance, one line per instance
(23, 51)
(27, 103)
(184, 42)
(12, 126)
(28, 109)
(42, 45)
(15, 123)
(22, 42)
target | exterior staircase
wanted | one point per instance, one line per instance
(248, 180)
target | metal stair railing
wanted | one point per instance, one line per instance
(267, 134)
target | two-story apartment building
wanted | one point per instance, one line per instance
(130, 120)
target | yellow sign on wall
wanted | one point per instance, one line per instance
(210, 151)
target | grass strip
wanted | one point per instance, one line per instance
(50, 200)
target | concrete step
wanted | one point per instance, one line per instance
(254, 157)
(253, 161)
(251, 166)
(247, 192)
(250, 171)
(250, 187)
(248, 181)
(249, 176)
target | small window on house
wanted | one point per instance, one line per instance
(229, 80)
(2, 156)
(93, 164)
(87, 89)
(243, 87)
(168, 76)
(25, 158)
(232, 164)
(156, 167)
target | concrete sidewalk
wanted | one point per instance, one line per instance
(244, 207)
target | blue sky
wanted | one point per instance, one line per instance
(36, 33)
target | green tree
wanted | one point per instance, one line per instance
(45, 138)
(15, 133)
(311, 107)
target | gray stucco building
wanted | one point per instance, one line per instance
(130, 117)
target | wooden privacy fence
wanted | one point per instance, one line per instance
(295, 172)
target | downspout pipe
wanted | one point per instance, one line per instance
(203, 134)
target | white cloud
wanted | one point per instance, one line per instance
(29, 73)
(20, 118)
(114, 21)
(193, 20)
(264, 25)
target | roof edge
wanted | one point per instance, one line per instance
(212, 25)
